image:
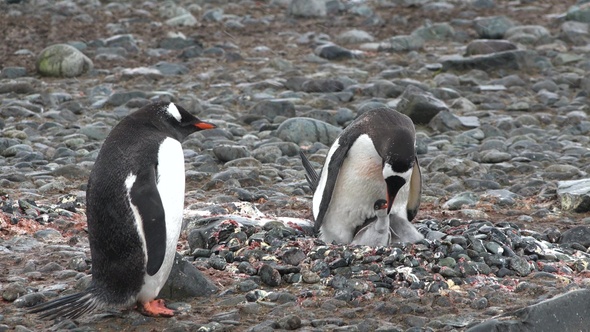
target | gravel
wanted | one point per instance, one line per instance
(499, 95)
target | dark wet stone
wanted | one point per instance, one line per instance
(247, 285)
(293, 256)
(269, 275)
(572, 310)
(290, 322)
(186, 282)
(578, 234)
(217, 262)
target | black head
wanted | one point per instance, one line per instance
(380, 204)
(172, 119)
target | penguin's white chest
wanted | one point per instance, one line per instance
(170, 184)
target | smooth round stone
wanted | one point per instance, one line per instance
(48, 235)
(227, 153)
(460, 200)
(62, 60)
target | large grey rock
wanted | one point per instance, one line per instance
(403, 43)
(579, 13)
(574, 32)
(421, 106)
(299, 130)
(515, 59)
(492, 27)
(488, 46)
(574, 195)
(528, 34)
(567, 312)
(445, 121)
(272, 108)
(185, 282)
(62, 60)
(438, 31)
(308, 8)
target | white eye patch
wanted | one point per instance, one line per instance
(173, 111)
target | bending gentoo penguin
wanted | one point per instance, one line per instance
(374, 157)
(135, 199)
(375, 231)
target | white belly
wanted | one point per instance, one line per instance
(170, 185)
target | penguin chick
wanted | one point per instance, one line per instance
(375, 231)
(135, 201)
(373, 157)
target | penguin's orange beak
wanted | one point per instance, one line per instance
(205, 125)
(394, 184)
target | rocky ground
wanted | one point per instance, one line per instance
(499, 94)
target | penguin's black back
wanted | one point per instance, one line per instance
(118, 257)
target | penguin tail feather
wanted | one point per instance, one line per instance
(70, 307)
(311, 175)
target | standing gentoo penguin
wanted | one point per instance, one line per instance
(135, 199)
(374, 157)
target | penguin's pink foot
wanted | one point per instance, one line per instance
(155, 308)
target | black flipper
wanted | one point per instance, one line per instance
(145, 196)
(334, 165)
(310, 174)
(69, 307)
